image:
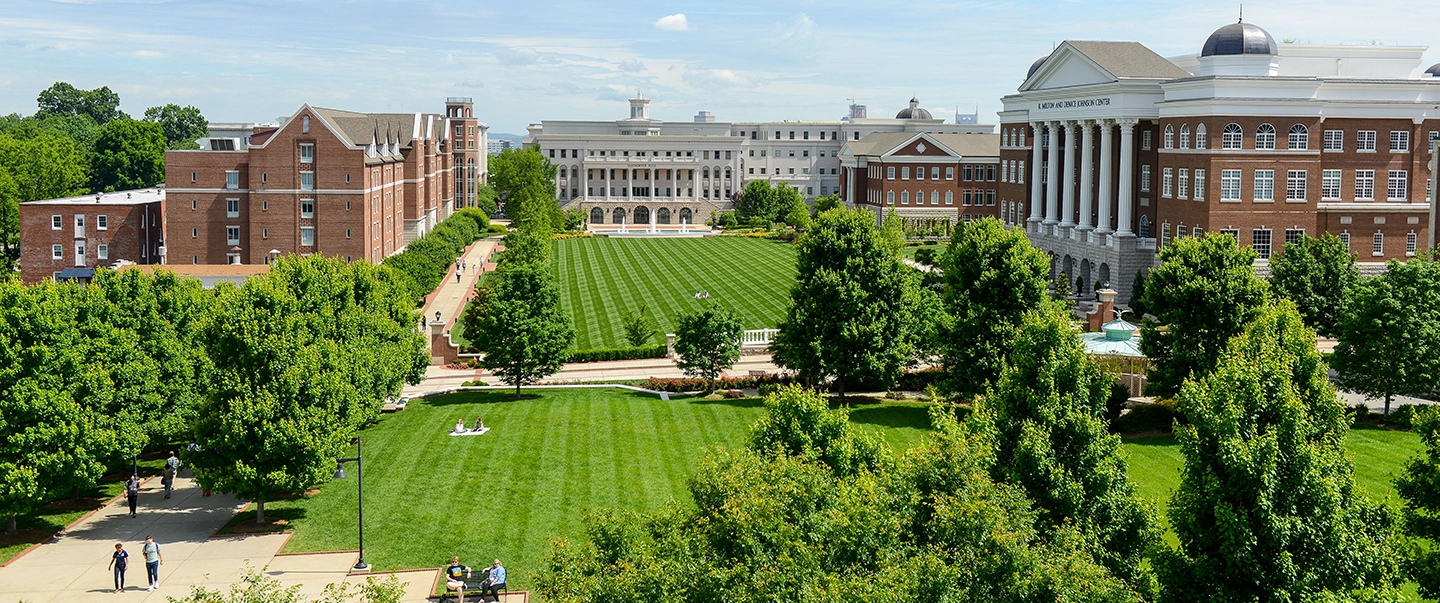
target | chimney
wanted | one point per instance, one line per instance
(1104, 312)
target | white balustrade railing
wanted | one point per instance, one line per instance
(1144, 243)
(758, 336)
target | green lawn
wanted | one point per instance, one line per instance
(909, 252)
(601, 277)
(548, 459)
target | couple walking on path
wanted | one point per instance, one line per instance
(120, 561)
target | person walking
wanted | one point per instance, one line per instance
(119, 560)
(132, 492)
(153, 560)
(457, 275)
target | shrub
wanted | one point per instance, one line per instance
(571, 235)
(916, 381)
(658, 350)
(1402, 415)
(474, 383)
(1159, 416)
(427, 259)
(1115, 404)
(687, 384)
(925, 255)
(767, 389)
(734, 393)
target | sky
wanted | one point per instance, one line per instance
(526, 61)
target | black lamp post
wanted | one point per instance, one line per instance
(360, 499)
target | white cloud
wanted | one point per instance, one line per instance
(799, 28)
(675, 22)
(712, 78)
(632, 65)
(146, 54)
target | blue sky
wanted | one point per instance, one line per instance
(527, 61)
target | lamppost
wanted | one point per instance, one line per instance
(360, 498)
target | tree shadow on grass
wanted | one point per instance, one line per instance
(914, 417)
(489, 396)
(1163, 441)
(735, 402)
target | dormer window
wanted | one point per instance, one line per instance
(305, 124)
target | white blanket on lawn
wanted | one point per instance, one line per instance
(471, 432)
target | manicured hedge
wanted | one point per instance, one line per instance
(426, 260)
(1159, 417)
(686, 384)
(602, 354)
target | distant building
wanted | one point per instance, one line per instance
(1111, 152)
(496, 145)
(339, 183)
(924, 177)
(639, 167)
(231, 136)
(69, 238)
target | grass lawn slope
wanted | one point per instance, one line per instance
(602, 277)
(545, 461)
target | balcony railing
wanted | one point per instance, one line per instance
(1145, 243)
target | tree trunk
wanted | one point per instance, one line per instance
(10, 527)
(1387, 405)
(517, 389)
(259, 511)
(75, 492)
(840, 383)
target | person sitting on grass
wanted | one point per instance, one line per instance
(479, 424)
(459, 426)
(455, 577)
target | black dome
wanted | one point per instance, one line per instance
(1239, 38)
(913, 111)
(1036, 66)
(1434, 70)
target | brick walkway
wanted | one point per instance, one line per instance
(449, 298)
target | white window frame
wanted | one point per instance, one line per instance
(1296, 181)
(307, 157)
(1184, 136)
(57, 252)
(102, 222)
(1200, 184)
(102, 252)
(1330, 185)
(1365, 141)
(57, 222)
(1167, 182)
(1412, 242)
(1264, 183)
(949, 197)
(1377, 244)
(1200, 139)
(1182, 183)
(307, 214)
(1265, 138)
(232, 180)
(1232, 137)
(232, 202)
(1230, 185)
(1334, 140)
(1299, 138)
(1265, 248)
(1398, 185)
(1399, 141)
(1169, 136)
(1365, 184)
(304, 185)
(232, 240)
(307, 233)
(1145, 178)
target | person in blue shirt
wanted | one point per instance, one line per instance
(495, 582)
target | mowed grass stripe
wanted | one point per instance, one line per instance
(751, 276)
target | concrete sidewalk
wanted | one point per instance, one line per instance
(72, 567)
(449, 298)
(438, 377)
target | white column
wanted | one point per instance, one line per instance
(673, 180)
(607, 183)
(652, 184)
(1067, 196)
(1127, 177)
(629, 181)
(584, 181)
(1087, 173)
(1052, 186)
(1037, 170)
(1107, 189)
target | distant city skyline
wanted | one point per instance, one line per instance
(524, 62)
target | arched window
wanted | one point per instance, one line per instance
(705, 172)
(1299, 138)
(1144, 226)
(1231, 137)
(662, 216)
(597, 215)
(1200, 140)
(641, 214)
(1185, 136)
(889, 197)
(1265, 137)
(305, 124)
(619, 215)
(1169, 137)
(685, 216)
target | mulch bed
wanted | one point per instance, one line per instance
(83, 503)
(24, 536)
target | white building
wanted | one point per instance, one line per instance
(230, 136)
(628, 168)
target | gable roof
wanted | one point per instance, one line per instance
(1128, 59)
(964, 145)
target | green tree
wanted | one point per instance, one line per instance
(764, 203)
(1204, 292)
(852, 309)
(707, 341)
(1046, 415)
(524, 179)
(1315, 273)
(311, 352)
(129, 154)
(1267, 508)
(1389, 333)
(1137, 294)
(9, 221)
(798, 217)
(827, 203)
(526, 331)
(182, 126)
(473, 318)
(485, 197)
(62, 99)
(799, 422)
(1419, 486)
(993, 276)
(639, 326)
(46, 166)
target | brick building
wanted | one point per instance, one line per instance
(1110, 151)
(922, 176)
(77, 234)
(339, 183)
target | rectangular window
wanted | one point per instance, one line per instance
(1183, 184)
(232, 235)
(890, 197)
(1334, 140)
(934, 197)
(102, 222)
(1144, 140)
(905, 173)
(1329, 185)
(1377, 244)
(194, 232)
(1165, 235)
(307, 153)
(232, 208)
(56, 223)
(307, 208)
(1411, 243)
(934, 173)
(1345, 238)
(1145, 178)
(1264, 185)
(1229, 185)
(307, 181)
(989, 173)
(1296, 182)
(1399, 185)
(1021, 173)
(890, 173)
(919, 173)
(1180, 231)
(1167, 182)
(1293, 235)
(264, 233)
(1260, 241)
(1199, 184)
(965, 198)
(1365, 141)
(57, 252)
(949, 197)
(968, 173)
(102, 252)
(990, 198)
(307, 236)
(1365, 184)
(1399, 141)
(232, 179)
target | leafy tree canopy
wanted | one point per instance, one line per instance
(62, 99)
(1315, 273)
(1419, 486)
(182, 126)
(1389, 333)
(526, 331)
(129, 154)
(707, 341)
(765, 203)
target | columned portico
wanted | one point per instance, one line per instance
(1087, 174)
(1067, 196)
(1052, 180)
(1107, 149)
(1037, 178)
(1127, 177)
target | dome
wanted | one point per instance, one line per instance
(1434, 70)
(1036, 66)
(1239, 38)
(914, 112)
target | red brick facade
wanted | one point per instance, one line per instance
(924, 178)
(90, 231)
